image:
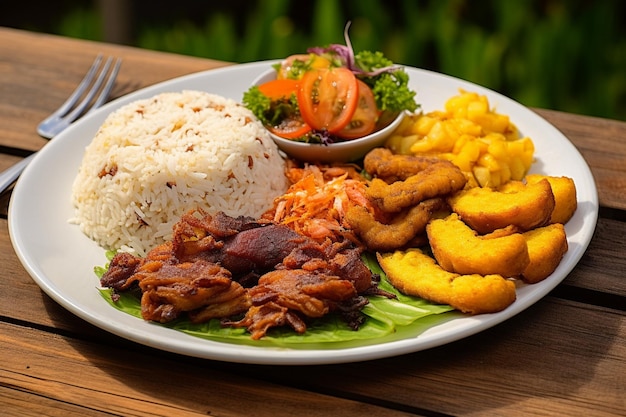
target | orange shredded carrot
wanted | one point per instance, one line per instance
(316, 202)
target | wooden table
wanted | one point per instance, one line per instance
(565, 355)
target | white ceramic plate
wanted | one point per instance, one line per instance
(61, 259)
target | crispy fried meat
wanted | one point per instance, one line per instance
(437, 179)
(204, 272)
(289, 296)
(173, 289)
(385, 237)
(390, 167)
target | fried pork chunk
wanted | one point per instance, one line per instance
(202, 289)
(287, 296)
(211, 269)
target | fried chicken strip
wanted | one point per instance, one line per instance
(438, 179)
(404, 227)
(384, 164)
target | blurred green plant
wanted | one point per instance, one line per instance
(568, 55)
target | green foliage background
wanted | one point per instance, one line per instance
(567, 55)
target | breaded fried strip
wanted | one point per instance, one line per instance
(486, 210)
(457, 248)
(415, 273)
(384, 164)
(436, 180)
(378, 236)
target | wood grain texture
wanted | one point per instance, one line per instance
(121, 382)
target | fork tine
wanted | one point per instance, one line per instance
(78, 110)
(80, 89)
(106, 90)
(87, 90)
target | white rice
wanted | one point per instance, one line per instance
(154, 159)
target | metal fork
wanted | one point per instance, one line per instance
(99, 79)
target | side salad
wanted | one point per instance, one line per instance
(330, 94)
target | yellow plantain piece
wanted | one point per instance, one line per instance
(486, 209)
(564, 191)
(546, 247)
(415, 273)
(458, 248)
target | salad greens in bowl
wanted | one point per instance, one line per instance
(330, 104)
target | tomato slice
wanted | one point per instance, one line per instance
(290, 128)
(328, 98)
(363, 121)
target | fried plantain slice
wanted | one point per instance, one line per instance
(415, 273)
(564, 191)
(546, 247)
(485, 209)
(458, 248)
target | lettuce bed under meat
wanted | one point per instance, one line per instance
(385, 319)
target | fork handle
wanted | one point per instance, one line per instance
(9, 175)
